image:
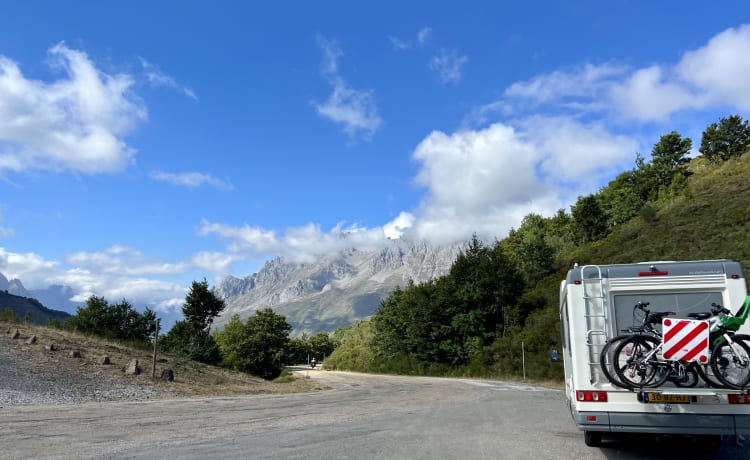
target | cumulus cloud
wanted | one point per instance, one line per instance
(192, 180)
(702, 79)
(449, 66)
(485, 181)
(76, 123)
(356, 110)
(718, 70)
(157, 78)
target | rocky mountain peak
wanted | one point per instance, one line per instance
(335, 290)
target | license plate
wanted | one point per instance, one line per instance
(654, 398)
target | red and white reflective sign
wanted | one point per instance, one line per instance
(685, 340)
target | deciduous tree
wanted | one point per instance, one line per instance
(725, 139)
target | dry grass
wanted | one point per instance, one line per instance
(191, 379)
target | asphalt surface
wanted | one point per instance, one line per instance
(359, 417)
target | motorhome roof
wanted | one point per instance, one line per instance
(727, 267)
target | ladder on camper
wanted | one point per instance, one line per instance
(595, 310)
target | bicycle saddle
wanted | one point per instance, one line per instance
(701, 315)
(657, 316)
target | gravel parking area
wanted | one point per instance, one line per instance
(31, 378)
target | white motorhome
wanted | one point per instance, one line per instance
(596, 304)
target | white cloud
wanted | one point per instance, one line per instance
(192, 180)
(124, 261)
(487, 180)
(423, 35)
(331, 54)
(719, 70)
(587, 82)
(157, 79)
(705, 78)
(422, 38)
(649, 95)
(575, 156)
(116, 273)
(395, 229)
(76, 123)
(355, 109)
(449, 66)
(398, 44)
(303, 243)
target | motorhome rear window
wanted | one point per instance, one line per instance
(682, 303)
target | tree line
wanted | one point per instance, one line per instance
(260, 346)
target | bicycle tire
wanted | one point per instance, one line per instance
(606, 359)
(732, 370)
(707, 375)
(634, 367)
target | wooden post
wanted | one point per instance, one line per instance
(156, 341)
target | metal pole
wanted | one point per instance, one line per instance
(523, 360)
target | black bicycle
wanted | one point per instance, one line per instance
(681, 373)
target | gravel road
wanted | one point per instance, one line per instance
(358, 417)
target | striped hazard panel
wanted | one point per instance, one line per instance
(685, 340)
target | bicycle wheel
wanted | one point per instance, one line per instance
(731, 364)
(606, 360)
(636, 365)
(707, 374)
(688, 379)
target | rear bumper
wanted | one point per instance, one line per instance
(633, 422)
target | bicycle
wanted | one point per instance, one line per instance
(639, 364)
(730, 353)
(682, 374)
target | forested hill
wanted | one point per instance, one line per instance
(15, 307)
(710, 219)
(499, 298)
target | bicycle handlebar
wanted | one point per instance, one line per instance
(716, 309)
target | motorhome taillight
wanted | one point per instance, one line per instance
(735, 276)
(739, 398)
(591, 396)
(653, 273)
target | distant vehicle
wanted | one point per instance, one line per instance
(596, 305)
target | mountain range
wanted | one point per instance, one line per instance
(55, 297)
(14, 297)
(336, 290)
(320, 296)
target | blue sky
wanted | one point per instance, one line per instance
(144, 145)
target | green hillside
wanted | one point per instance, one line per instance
(23, 306)
(709, 220)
